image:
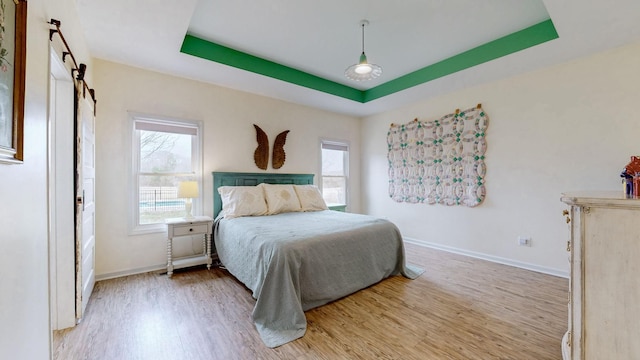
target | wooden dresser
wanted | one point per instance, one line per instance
(604, 297)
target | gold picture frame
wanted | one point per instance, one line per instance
(13, 51)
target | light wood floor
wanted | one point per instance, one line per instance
(460, 308)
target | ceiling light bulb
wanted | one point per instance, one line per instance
(363, 69)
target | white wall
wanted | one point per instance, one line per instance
(568, 127)
(229, 143)
(24, 284)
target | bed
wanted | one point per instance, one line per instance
(294, 260)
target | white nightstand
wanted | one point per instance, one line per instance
(199, 225)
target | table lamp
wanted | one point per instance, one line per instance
(188, 190)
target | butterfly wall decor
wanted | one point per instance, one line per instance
(261, 155)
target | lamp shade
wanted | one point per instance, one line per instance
(188, 189)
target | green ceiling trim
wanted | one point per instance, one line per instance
(238, 59)
(520, 40)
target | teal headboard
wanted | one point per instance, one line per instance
(252, 179)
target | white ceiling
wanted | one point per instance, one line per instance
(324, 37)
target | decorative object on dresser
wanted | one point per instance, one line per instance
(439, 161)
(604, 294)
(261, 154)
(188, 190)
(180, 227)
(631, 178)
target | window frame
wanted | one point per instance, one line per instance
(341, 145)
(135, 228)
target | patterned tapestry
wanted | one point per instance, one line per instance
(439, 161)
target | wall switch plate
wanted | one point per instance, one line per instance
(524, 241)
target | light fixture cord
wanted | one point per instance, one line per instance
(363, 38)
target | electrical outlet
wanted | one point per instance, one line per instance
(524, 241)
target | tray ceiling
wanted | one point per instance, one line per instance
(426, 47)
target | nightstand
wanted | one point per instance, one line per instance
(177, 227)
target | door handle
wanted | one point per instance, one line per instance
(80, 200)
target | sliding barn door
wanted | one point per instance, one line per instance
(61, 194)
(85, 199)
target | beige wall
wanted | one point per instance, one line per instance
(567, 127)
(229, 143)
(24, 284)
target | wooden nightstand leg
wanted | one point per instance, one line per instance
(204, 244)
(169, 260)
(208, 247)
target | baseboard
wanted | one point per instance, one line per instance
(160, 268)
(118, 274)
(495, 259)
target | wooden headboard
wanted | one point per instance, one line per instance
(252, 179)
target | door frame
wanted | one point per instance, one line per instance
(60, 127)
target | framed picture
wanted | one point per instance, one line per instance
(13, 49)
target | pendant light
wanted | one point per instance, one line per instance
(363, 70)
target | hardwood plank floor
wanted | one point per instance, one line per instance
(460, 308)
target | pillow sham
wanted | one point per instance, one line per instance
(240, 201)
(281, 198)
(310, 198)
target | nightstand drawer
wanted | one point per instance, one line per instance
(191, 229)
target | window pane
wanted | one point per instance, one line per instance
(334, 190)
(158, 198)
(165, 153)
(332, 162)
(162, 152)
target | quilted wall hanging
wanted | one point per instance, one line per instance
(439, 161)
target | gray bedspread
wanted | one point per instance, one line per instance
(293, 262)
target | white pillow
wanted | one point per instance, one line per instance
(310, 198)
(242, 201)
(281, 198)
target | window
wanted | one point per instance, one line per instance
(335, 172)
(165, 153)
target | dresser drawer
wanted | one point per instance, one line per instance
(190, 229)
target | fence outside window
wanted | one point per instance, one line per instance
(158, 203)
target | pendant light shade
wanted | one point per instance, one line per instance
(363, 70)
